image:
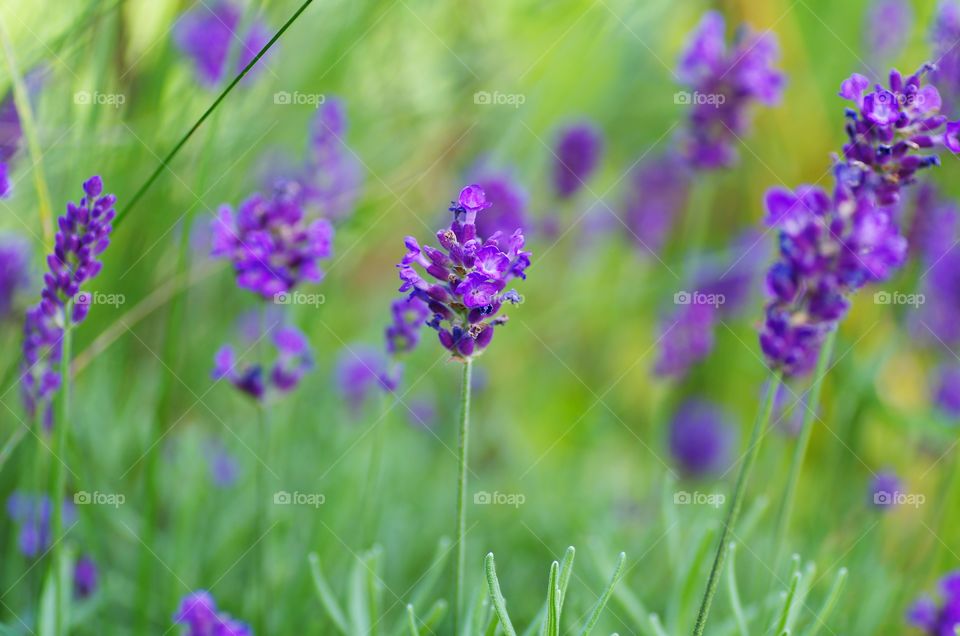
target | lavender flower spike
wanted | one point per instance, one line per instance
(84, 235)
(209, 32)
(469, 275)
(198, 611)
(725, 81)
(577, 154)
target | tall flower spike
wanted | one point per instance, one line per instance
(272, 243)
(83, 235)
(725, 82)
(207, 35)
(469, 277)
(577, 154)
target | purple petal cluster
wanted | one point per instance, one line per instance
(938, 620)
(292, 359)
(576, 157)
(84, 233)
(31, 515)
(468, 276)
(890, 131)
(725, 81)
(14, 268)
(945, 35)
(403, 333)
(85, 577)
(656, 195)
(885, 488)
(209, 35)
(361, 371)
(198, 611)
(701, 438)
(333, 174)
(272, 243)
(887, 27)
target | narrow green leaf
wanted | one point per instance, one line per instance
(657, 626)
(412, 621)
(553, 602)
(434, 615)
(327, 599)
(602, 601)
(828, 605)
(788, 603)
(372, 561)
(566, 571)
(430, 577)
(499, 603)
(692, 581)
(735, 591)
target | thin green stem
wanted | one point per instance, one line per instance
(461, 489)
(122, 214)
(60, 477)
(800, 451)
(263, 436)
(733, 512)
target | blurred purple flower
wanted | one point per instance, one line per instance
(936, 321)
(686, 338)
(14, 268)
(208, 35)
(11, 132)
(887, 27)
(656, 196)
(942, 620)
(788, 409)
(83, 235)
(224, 467)
(32, 516)
(362, 370)
(885, 489)
(85, 577)
(423, 412)
(272, 243)
(471, 276)
(945, 35)
(291, 361)
(725, 81)
(409, 315)
(576, 156)
(933, 230)
(508, 203)
(333, 174)
(701, 438)
(198, 611)
(948, 390)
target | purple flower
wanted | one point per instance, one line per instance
(85, 577)
(701, 438)
(362, 370)
(409, 315)
(936, 321)
(11, 132)
(948, 390)
(933, 229)
(469, 277)
(888, 130)
(83, 235)
(224, 468)
(333, 175)
(208, 35)
(5, 185)
(942, 620)
(32, 516)
(687, 337)
(887, 27)
(656, 196)
(292, 359)
(885, 489)
(14, 267)
(945, 35)
(508, 204)
(576, 156)
(272, 243)
(198, 611)
(725, 82)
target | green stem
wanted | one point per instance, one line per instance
(60, 476)
(763, 418)
(122, 214)
(461, 489)
(800, 451)
(263, 437)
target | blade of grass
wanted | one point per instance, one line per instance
(412, 621)
(327, 599)
(821, 619)
(735, 591)
(552, 626)
(433, 572)
(602, 601)
(496, 596)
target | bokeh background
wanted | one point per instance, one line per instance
(568, 412)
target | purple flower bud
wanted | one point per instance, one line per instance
(701, 438)
(577, 155)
